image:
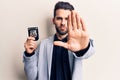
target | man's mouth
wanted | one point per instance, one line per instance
(62, 28)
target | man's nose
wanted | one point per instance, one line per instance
(63, 22)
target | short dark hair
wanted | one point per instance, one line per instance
(63, 5)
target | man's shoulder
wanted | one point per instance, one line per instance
(50, 39)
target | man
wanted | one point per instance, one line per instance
(59, 57)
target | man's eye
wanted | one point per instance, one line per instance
(66, 18)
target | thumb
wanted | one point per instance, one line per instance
(60, 43)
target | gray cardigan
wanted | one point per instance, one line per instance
(38, 66)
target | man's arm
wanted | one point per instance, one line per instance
(82, 52)
(30, 66)
(30, 59)
(87, 52)
(78, 61)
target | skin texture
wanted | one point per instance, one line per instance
(67, 23)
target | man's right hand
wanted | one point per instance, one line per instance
(30, 45)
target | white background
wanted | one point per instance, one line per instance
(102, 18)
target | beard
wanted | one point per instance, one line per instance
(61, 32)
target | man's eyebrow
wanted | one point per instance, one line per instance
(59, 17)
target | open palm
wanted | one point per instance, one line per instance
(78, 37)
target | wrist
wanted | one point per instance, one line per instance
(82, 52)
(29, 54)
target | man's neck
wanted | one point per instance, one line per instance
(60, 37)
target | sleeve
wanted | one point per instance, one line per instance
(78, 61)
(83, 54)
(30, 65)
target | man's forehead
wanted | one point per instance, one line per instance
(62, 12)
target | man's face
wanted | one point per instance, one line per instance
(60, 21)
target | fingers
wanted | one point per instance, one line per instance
(69, 23)
(31, 38)
(30, 45)
(79, 25)
(72, 22)
(75, 22)
(83, 25)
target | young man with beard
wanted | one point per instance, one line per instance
(59, 57)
